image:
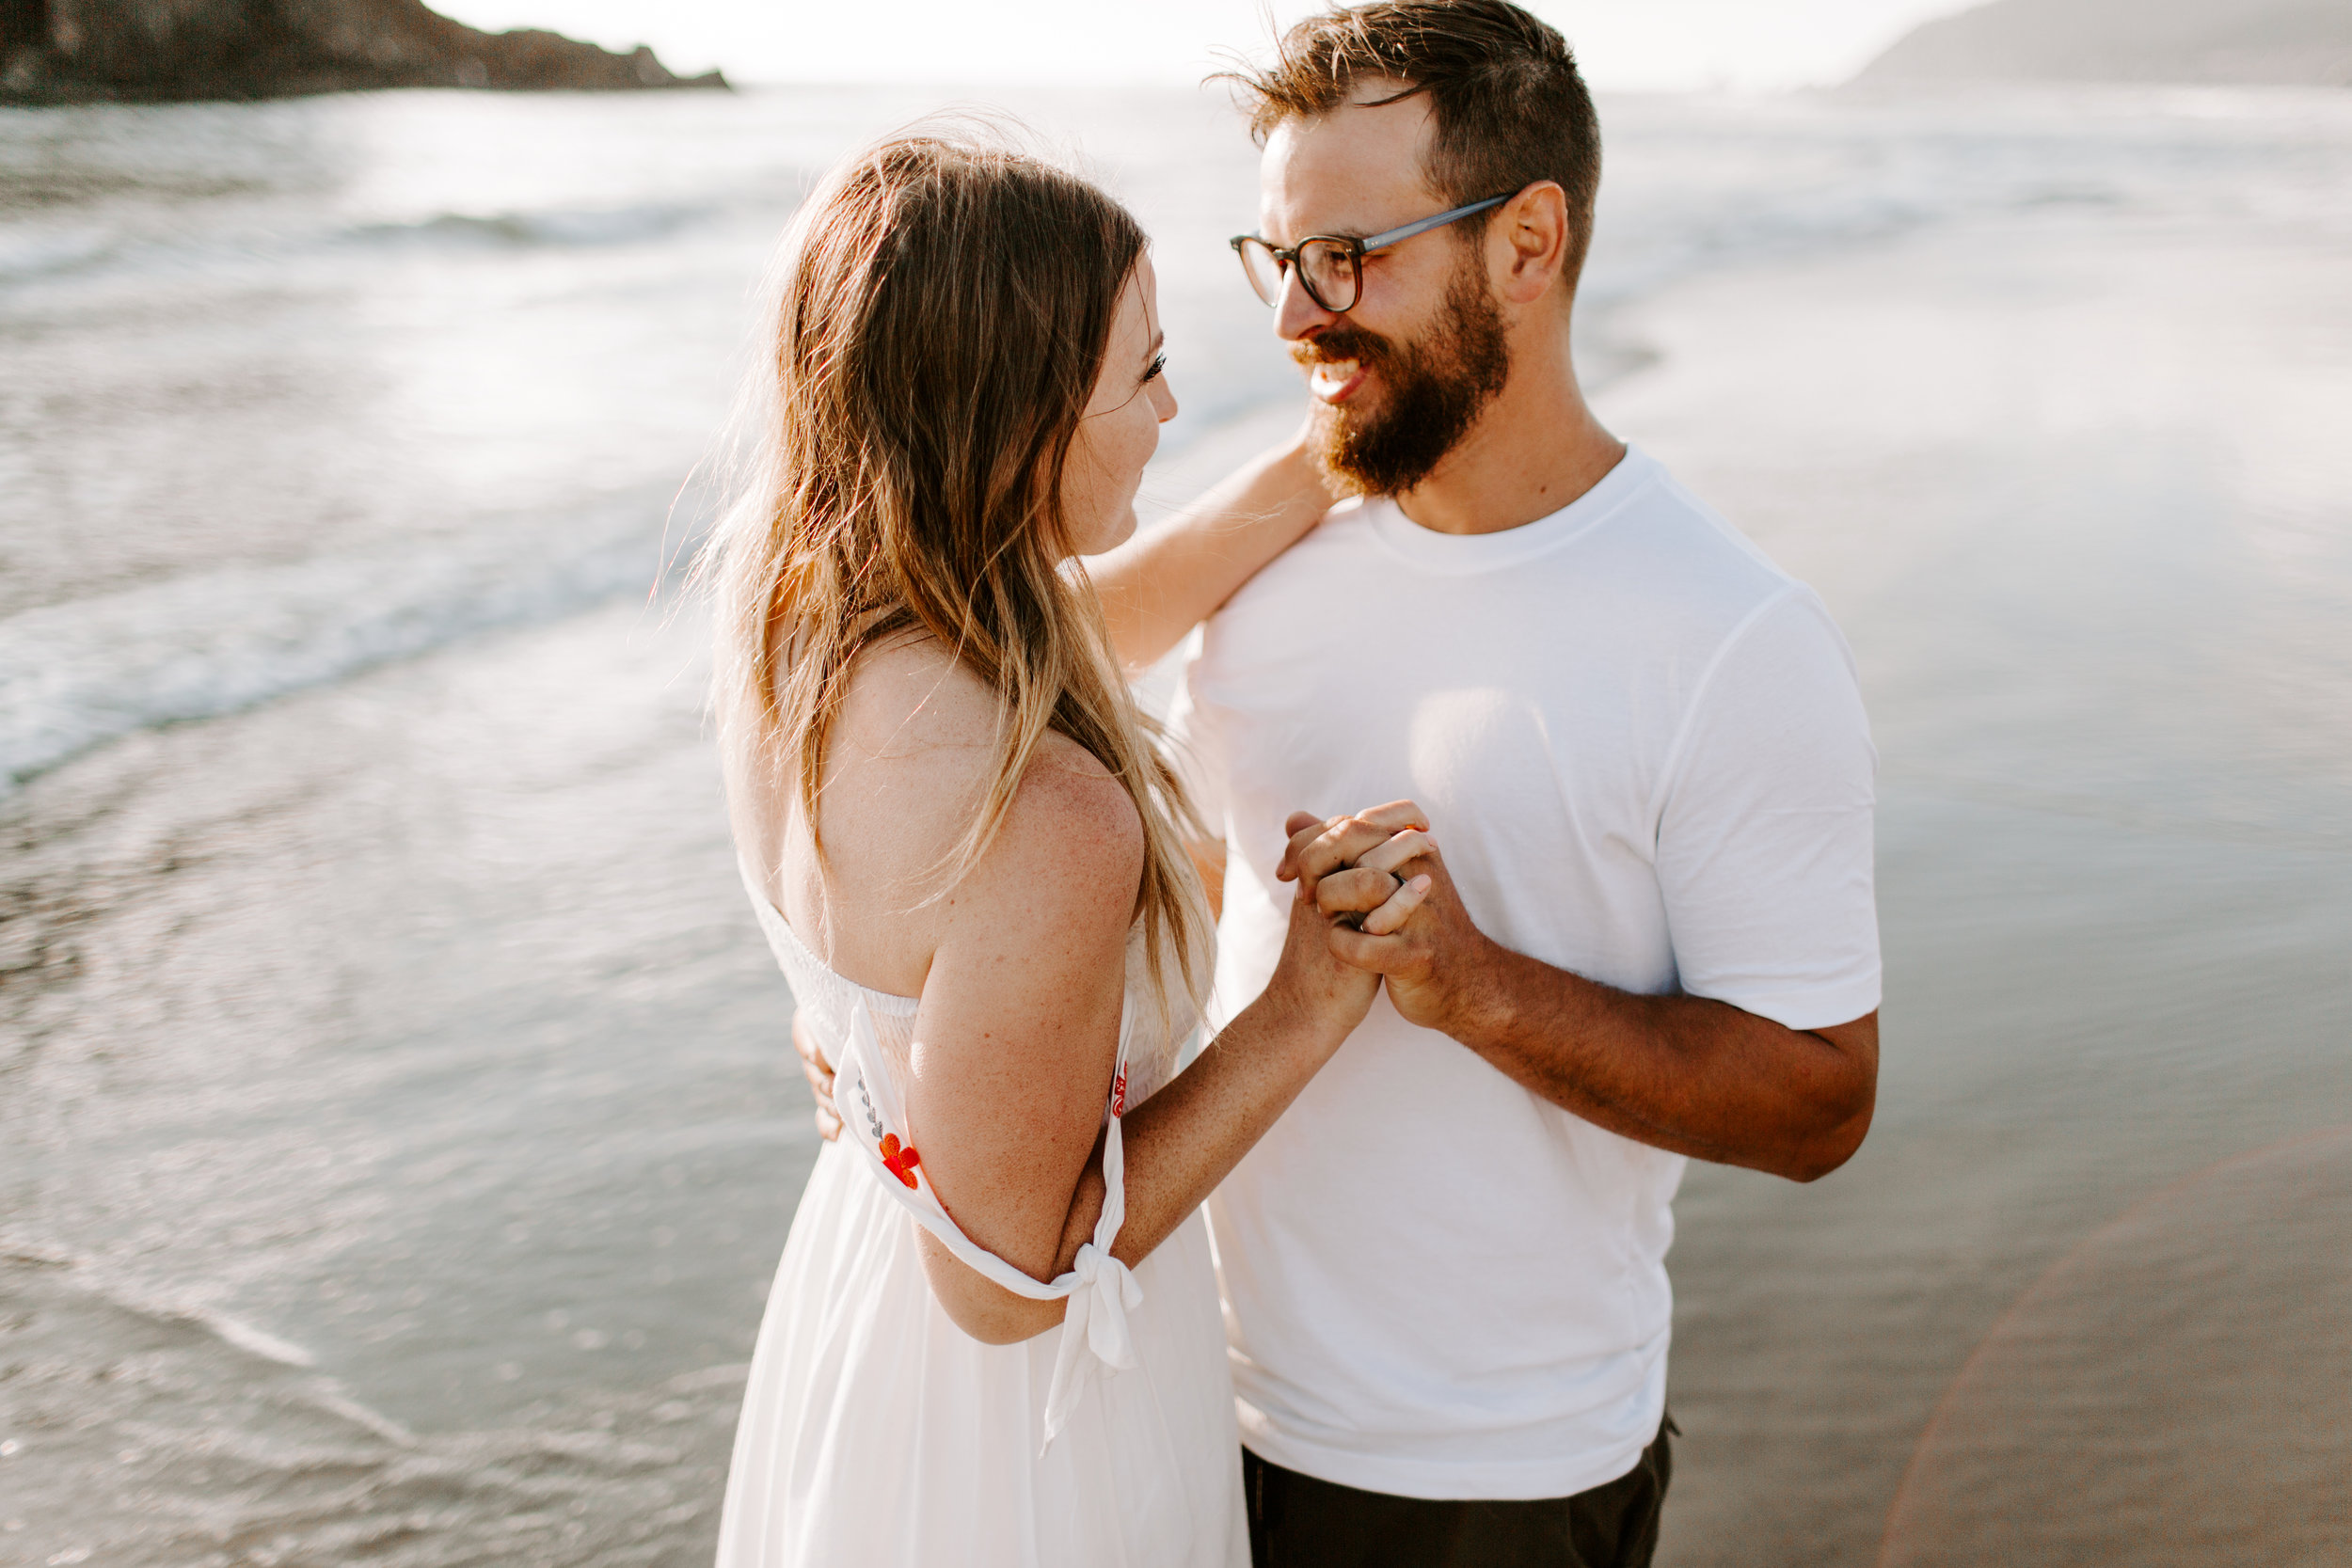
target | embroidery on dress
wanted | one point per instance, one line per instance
(900, 1159)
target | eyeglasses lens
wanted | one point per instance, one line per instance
(1265, 273)
(1329, 273)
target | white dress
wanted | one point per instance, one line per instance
(876, 1434)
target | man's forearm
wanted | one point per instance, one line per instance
(1159, 585)
(1681, 1073)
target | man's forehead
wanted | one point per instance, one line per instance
(1355, 169)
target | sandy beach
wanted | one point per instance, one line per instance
(399, 1125)
(2070, 489)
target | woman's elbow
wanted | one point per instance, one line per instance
(1007, 1319)
(982, 1308)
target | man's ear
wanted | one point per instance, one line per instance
(1527, 242)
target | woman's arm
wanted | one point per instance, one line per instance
(1016, 1038)
(1159, 585)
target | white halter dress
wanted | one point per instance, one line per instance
(876, 1434)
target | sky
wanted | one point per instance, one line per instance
(1624, 46)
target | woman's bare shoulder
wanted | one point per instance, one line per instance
(908, 697)
(912, 752)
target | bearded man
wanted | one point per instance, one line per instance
(1652, 934)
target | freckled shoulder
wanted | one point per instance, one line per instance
(1071, 847)
(908, 697)
(909, 765)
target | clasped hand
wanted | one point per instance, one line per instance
(1391, 909)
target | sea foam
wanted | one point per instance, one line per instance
(73, 675)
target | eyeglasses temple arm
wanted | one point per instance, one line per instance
(1377, 241)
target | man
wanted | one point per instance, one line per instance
(1647, 782)
(1625, 747)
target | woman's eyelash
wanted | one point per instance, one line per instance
(1159, 363)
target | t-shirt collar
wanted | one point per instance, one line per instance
(1466, 553)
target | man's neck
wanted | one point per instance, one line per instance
(1536, 448)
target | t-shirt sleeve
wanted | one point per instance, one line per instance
(1765, 826)
(1195, 744)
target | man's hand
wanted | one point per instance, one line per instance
(1437, 962)
(1311, 980)
(819, 1074)
(1682, 1073)
(1434, 957)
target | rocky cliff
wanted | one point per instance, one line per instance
(2307, 42)
(65, 51)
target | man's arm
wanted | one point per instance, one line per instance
(1159, 585)
(1681, 1073)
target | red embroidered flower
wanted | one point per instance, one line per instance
(1118, 1092)
(900, 1161)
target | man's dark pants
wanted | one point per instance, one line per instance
(1298, 1522)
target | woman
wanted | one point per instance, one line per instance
(994, 1337)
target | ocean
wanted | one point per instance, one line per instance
(398, 1122)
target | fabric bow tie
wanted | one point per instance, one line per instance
(1094, 1330)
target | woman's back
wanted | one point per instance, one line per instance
(907, 762)
(907, 765)
(857, 1442)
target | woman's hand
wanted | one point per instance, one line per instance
(1310, 982)
(1355, 865)
(1432, 964)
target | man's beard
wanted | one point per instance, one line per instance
(1435, 387)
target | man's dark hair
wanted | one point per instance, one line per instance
(1508, 106)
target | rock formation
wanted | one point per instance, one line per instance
(2306, 41)
(67, 51)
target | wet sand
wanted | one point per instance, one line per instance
(2079, 494)
(414, 1202)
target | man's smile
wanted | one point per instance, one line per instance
(1335, 380)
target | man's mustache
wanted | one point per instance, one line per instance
(1341, 343)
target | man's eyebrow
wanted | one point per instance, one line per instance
(1339, 232)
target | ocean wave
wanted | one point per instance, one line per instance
(164, 1308)
(77, 674)
(29, 253)
(36, 252)
(161, 1450)
(1666, 247)
(561, 227)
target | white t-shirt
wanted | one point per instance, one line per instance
(1646, 760)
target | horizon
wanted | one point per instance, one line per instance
(1622, 45)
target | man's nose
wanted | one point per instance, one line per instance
(1295, 314)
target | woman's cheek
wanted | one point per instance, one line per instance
(1147, 438)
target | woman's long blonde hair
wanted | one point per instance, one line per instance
(944, 307)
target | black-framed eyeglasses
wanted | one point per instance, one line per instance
(1331, 266)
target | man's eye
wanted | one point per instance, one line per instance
(1159, 363)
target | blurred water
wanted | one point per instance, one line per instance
(297, 387)
(396, 1123)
